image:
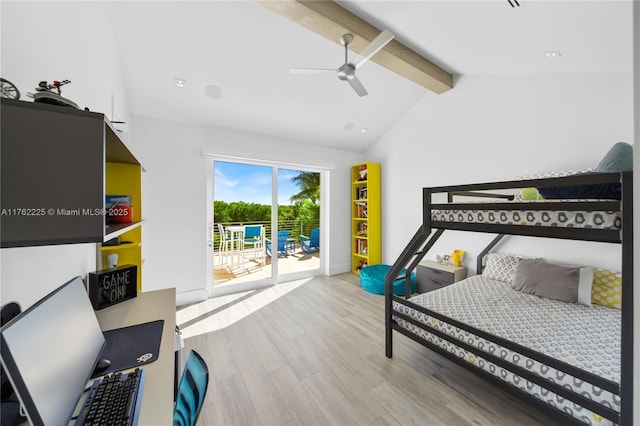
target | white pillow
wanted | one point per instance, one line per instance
(501, 267)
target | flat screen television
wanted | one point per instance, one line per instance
(49, 352)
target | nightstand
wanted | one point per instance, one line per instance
(433, 275)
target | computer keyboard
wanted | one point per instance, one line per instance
(113, 400)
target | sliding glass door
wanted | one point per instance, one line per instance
(242, 200)
(298, 222)
(264, 224)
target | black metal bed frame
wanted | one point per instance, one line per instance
(423, 240)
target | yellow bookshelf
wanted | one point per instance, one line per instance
(125, 179)
(366, 224)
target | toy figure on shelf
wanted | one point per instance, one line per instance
(43, 86)
(50, 94)
(362, 264)
(456, 257)
(362, 171)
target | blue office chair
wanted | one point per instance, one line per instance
(311, 243)
(191, 391)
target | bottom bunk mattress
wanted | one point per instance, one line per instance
(585, 337)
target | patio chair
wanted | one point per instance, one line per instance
(283, 236)
(226, 242)
(254, 238)
(312, 243)
(291, 245)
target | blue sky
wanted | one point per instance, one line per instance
(251, 183)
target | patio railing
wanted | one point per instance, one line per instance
(295, 228)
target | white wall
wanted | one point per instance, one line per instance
(28, 273)
(31, 51)
(491, 128)
(174, 195)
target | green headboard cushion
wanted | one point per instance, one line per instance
(618, 159)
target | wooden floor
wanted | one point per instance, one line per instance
(314, 355)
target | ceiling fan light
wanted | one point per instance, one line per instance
(346, 72)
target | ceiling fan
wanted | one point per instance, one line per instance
(347, 71)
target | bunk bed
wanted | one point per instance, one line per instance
(578, 380)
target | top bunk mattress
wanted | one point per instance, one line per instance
(584, 202)
(508, 215)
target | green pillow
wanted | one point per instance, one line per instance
(530, 194)
(618, 159)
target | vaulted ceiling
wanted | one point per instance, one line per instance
(234, 58)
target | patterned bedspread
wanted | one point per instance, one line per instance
(586, 337)
(578, 219)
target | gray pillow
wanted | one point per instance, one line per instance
(569, 284)
(618, 159)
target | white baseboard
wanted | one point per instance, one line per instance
(188, 297)
(339, 269)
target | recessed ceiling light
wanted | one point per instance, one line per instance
(348, 126)
(552, 54)
(180, 82)
(213, 91)
(364, 130)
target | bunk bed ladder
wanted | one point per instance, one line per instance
(408, 260)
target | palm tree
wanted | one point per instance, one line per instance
(309, 184)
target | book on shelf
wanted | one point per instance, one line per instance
(361, 247)
(361, 210)
(362, 193)
(362, 229)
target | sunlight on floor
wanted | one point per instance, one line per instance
(220, 312)
(192, 312)
(249, 270)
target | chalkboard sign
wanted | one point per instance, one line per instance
(111, 286)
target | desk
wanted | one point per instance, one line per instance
(157, 396)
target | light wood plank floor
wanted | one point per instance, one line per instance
(314, 355)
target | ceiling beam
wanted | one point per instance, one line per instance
(331, 20)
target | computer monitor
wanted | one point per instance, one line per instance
(49, 352)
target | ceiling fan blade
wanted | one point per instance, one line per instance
(310, 70)
(378, 43)
(357, 86)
